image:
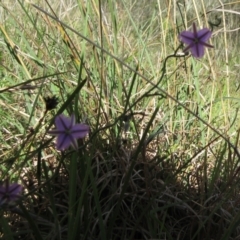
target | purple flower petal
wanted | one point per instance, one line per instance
(62, 122)
(63, 142)
(15, 190)
(80, 130)
(186, 37)
(204, 34)
(197, 50)
(10, 193)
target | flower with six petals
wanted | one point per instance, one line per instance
(67, 132)
(10, 192)
(196, 41)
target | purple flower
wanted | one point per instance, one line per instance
(196, 40)
(68, 132)
(10, 192)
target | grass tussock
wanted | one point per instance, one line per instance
(161, 159)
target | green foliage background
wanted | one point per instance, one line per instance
(161, 160)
